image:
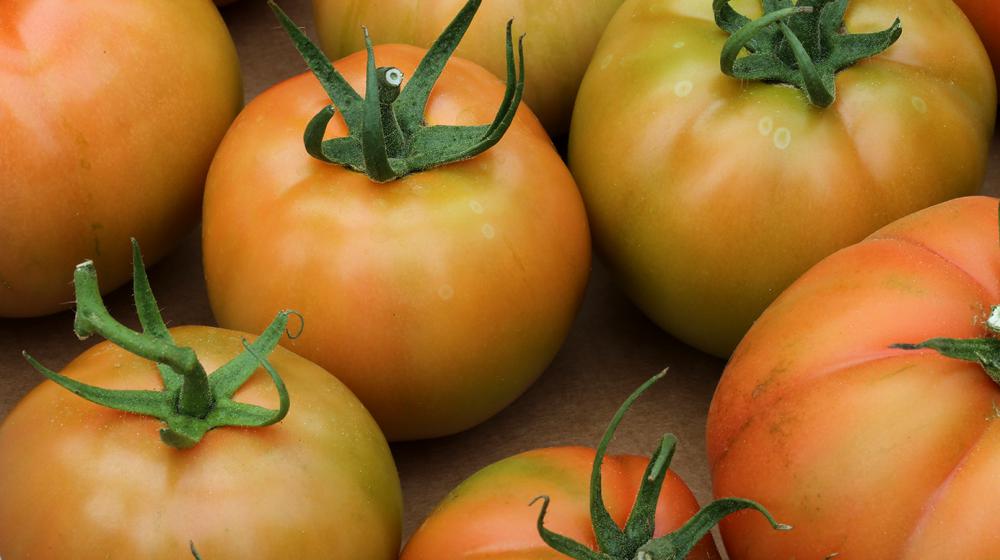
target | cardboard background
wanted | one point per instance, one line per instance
(610, 351)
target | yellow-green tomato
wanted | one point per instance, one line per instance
(561, 36)
(708, 195)
(110, 111)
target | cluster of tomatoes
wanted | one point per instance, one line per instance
(774, 182)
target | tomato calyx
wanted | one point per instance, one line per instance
(191, 402)
(804, 46)
(635, 541)
(983, 351)
(389, 138)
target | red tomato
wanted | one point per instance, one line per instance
(85, 482)
(110, 111)
(438, 298)
(985, 16)
(561, 36)
(870, 451)
(708, 195)
(488, 515)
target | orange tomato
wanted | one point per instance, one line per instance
(561, 36)
(488, 515)
(870, 451)
(437, 298)
(110, 111)
(85, 482)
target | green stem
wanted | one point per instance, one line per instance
(636, 541)
(388, 136)
(373, 139)
(92, 317)
(191, 403)
(390, 80)
(803, 46)
(819, 94)
(737, 41)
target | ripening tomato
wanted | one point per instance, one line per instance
(110, 111)
(871, 450)
(602, 508)
(86, 482)
(437, 296)
(561, 36)
(709, 193)
(489, 515)
(985, 16)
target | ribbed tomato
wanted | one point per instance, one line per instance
(871, 450)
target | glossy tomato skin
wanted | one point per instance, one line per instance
(868, 451)
(82, 481)
(437, 298)
(560, 39)
(708, 195)
(985, 16)
(488, 515)
(110, 112)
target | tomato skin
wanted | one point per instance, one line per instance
(985, 16)
(110, 111)
(82, 481)
(560, 39)
(869, 451)
(489, 515)
(438, 298)
(708, 195)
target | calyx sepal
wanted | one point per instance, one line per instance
(983, 351)
(803, 45)
(191, 402)
(636, 541)
(388, 137)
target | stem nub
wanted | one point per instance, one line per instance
(191, 402)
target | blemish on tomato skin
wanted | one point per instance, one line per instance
(489, 232)
(683, 88)
(782, 138)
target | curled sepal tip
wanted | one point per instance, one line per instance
(803, 45)
(636, 541)
(388, 137)
(191, 402)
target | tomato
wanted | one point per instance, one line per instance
(437, 297)
(83, 481)
(636, 508)
(489, 513)
(561, 36)
(870, 451)
(110, 111)
(708, 194)
(985, 16)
